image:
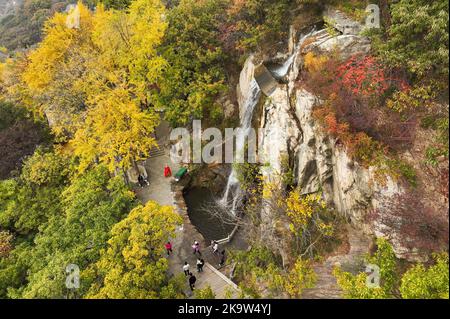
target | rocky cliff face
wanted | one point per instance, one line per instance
(318, 162)
(8, 6)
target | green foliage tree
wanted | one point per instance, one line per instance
(195, 73)
(356, 287)
(28, 202)
(257, 24)
(417, 282)
(116, 4)
(260, 274)
(418, 37)
(90, 206)
(14, 268)
(421, 282)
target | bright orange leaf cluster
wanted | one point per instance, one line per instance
(364, 75)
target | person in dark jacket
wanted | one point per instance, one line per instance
(200, 263)
(192, 280)
(222, 258)
(141, 181)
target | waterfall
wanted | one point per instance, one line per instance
(233, 192)
(233, 189)
(281, 71)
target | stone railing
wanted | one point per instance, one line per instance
(228, 238)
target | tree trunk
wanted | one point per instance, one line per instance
(385, 14)
(136, 168)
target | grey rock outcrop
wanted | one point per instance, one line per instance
(291, 135)
(341, 22)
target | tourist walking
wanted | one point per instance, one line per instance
(146, 180)
(141, 180)
(215, 247)
(167, 171)
(192, 280)
(196, 248)
(222, 258)
(200, 263)
(186, 268)
(168, 247)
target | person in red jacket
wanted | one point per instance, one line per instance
(167, 171)
(168, 246)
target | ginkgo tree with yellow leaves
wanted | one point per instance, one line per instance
(56, 71)
(133, 265)
(117, 135)
(97, 82)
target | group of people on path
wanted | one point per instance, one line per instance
(200, 261)
(192, 279)
(143, 181)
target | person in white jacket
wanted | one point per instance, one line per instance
(186, 268)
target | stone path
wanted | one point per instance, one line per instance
(326, 286)
(161, 190)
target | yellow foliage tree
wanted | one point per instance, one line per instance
(96, 81)
(314, 63)
(133, 265)
(59, 43)
(116, 131)
(301, 209)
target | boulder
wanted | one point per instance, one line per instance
(341, 22)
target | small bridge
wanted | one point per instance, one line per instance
(219, 283)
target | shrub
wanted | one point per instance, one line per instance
(355, 286)
(299, 278)
(364, 75)
(425, 227)
(416, 98)
(420, 282)
(205, 293)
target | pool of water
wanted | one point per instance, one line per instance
(200, 202)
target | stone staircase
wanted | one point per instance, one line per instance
(157, 151)
(326, 286)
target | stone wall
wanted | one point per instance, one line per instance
(181, 208)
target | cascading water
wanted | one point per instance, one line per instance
(281, 71)
(233, 189)
(233, 192)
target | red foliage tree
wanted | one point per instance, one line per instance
(365, 76)
(418, 224)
